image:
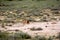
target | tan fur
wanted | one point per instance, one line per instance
(25, 21)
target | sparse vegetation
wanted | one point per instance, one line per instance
(30, 7)
(19, 35)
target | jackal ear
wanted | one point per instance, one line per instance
(27, 22)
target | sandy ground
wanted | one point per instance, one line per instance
(51, 29)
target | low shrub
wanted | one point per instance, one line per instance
(3, 35)
(58, 36)
(35, 29)
(50, 38)
(39, 38)
(22, 35)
